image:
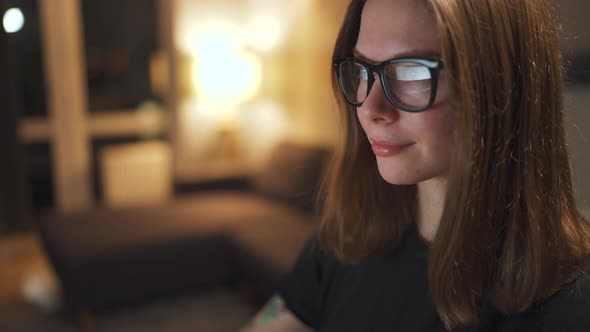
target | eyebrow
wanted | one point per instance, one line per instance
(417, 53)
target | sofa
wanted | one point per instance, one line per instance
(241, 232)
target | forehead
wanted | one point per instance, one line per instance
(393, 28)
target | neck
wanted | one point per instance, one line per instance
(431, 199)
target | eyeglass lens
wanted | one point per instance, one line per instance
(408, 83)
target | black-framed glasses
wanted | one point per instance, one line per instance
(408, 83)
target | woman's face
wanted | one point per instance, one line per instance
(409, 147)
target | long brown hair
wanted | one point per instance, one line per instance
(510, 233)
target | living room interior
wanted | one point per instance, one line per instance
(161, 158)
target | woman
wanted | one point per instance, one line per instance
(449, 203)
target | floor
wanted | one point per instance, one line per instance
(30, 300)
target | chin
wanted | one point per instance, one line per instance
(399, 174)
(398, 180)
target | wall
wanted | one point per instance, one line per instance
(578, 129)
(574, 18)
(576, 47)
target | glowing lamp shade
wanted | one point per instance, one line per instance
(211, 38)
(13, 20)
(228, 77)
(265, 31)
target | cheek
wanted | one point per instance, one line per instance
(443, 89)
(362, 119)
(438, 125)
(441, 117)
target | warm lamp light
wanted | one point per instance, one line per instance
(265, 31)
(210, 37)
(222, 72)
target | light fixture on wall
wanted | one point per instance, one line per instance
(224, 75)
(226, 78)
(223, 71)
(13, 20)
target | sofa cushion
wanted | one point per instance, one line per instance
(292, 173)
(104, 230)
(113, 256)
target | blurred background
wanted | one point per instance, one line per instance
(115, 105)
(211, 82)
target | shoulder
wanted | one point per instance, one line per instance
(568, 310)
(304, 287)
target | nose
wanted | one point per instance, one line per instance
(376, 107)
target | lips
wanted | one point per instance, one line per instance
(388, 149)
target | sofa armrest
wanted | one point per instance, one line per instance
(233, 183)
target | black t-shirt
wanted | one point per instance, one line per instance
(391, 293)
